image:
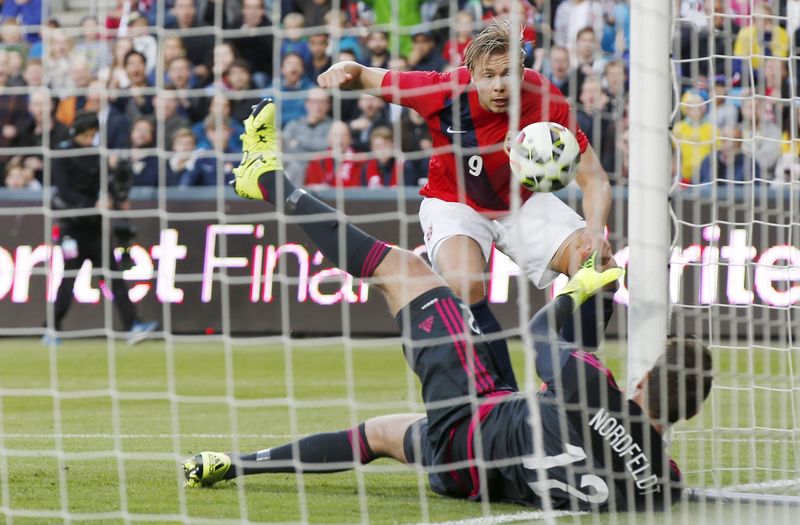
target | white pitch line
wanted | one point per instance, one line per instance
(536, 515)
(775, 484)
(145, 436)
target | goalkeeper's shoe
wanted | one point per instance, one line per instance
(206, 468)
(260, 150)
(587, 281)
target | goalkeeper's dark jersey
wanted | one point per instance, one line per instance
(599, 451)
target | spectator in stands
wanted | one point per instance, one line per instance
(115, 74)
(778, 91)
(118, 18)
(13, 111)
(58, 58)
(381, 169)
(424, 56)
(372, 115)
(206, 172)
(241, 89)
(693, 135)
(198, 46)
(291, 83)
(320, 60)
(729, 162)
(560, 71)
(14, 63)
(615, 78)
(336, 21)
(172, 48)
(503, 9)
(787, 169)
(377, 50)
(182, 162)
(761, 135)
(453, 50)
(726, 114)
(81, 76)
(20, 177)
(574, 15)
(144, 42)
(32, 133)
(135, 102)
(588, 61)
(115, 124)
(90, 45)
(306, 135)
(27, 13)
(597, 122)
(224, 55)
(12, 39)
(231, 14)
(313, 11)
(341, 165)
(293, 41)
(255, 46)
(616, 36)
(179, 73)
(764, 37)
(142, 163)
(416, 143)
(166, 105)
(408, 15)
(221, 106)
(33, 76)
(179, 79)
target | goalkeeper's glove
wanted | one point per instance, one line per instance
(587, 281)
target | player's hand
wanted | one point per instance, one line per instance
(589, 280)
(335, 76)
(596, 242)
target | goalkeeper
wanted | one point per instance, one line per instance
(599, 451)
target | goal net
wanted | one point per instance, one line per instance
(261, 341)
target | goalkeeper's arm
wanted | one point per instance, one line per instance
(552, 352)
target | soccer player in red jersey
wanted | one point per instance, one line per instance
(467, 199)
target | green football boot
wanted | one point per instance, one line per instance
(587, 281)
(260, 150)
(206, 468)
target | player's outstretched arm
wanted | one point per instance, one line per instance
(552, 351)
(351, 75)
(593, 181)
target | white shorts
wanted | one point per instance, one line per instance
(530, 237)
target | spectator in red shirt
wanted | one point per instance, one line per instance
(381, 170)
(341, 166)
(453, 51)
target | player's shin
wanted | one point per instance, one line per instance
(359, 255)
(326, 452)
(491, 328)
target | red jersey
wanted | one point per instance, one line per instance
(470, 164)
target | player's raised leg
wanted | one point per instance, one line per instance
(323, 453)
(400, 274)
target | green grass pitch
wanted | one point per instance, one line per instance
(125, 417)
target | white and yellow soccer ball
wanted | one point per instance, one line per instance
(544, 156)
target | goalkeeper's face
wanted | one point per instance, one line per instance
(493, 77)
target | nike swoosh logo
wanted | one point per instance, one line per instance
(451, 130)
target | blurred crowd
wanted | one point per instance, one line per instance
(172, 81)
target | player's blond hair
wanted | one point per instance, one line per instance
(495, 39)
